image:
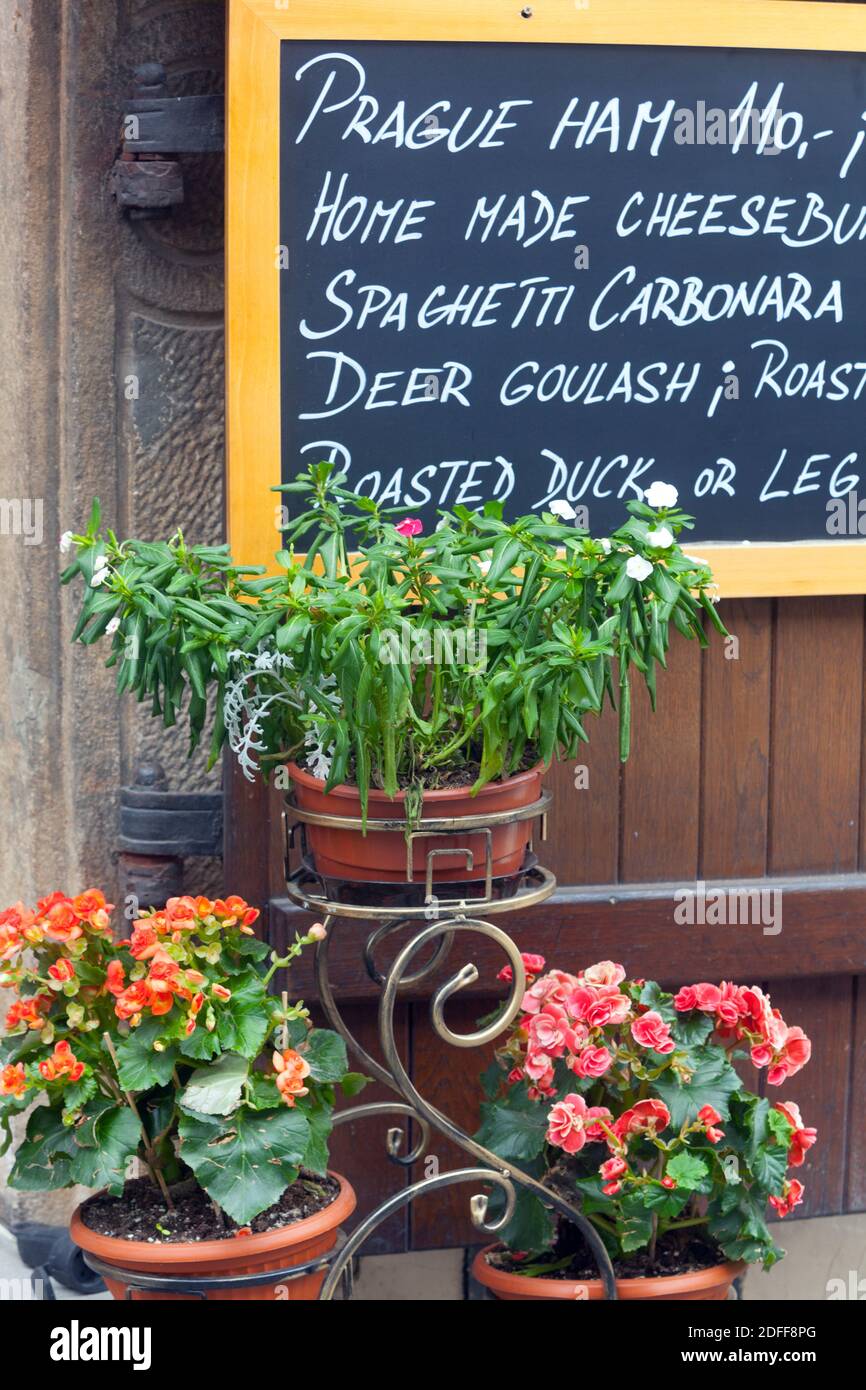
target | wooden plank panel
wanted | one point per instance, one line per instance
(855, 1197)
(357, 1149)
(661, 780)
(448, 1078)
(822, 932)
(246, 846)
(736, 744)
(816, 736)
(583, 825)
(823, 1009)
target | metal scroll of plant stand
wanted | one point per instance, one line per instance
(437, 922)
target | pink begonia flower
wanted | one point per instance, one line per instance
(532, 964)
(645, 1117)
(548, 1031)
(762, 1055)
(650, 1030)
(732, 1006)
(410, 526)
(538, 1065)
(593, 1121)
(796, 1051)
(576, 1036)
(593, 1061)
(792, 1196)
(554, 987)
(803, 1138)
(605, 972)
(565, 1124)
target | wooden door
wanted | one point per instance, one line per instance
(752, 772)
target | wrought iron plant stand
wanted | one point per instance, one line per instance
(437, 922)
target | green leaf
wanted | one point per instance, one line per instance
(654, 997)
(201, 1045)
(321, 1124)
(738, 1224)
(492, 1077)
(10, 1106)
(693, 1029)
(139, 1065)
(663, 1201)
(77, 1095)
(531, 1228)
(514, 1128)
(592, 1197)
(713, 1082)
(353, 1082)
(689, 1172)
(635, 1226)
(217, 1089)
(766, 1133)
(326, 1053)
(117, 1136)
(44, 1158)
(244, 1021)
(262, 1093)
(780, 1127)
(246, 1163)
(769, 1166)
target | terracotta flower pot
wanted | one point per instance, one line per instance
(294, 1244)
(380, 856)
(706, 1285)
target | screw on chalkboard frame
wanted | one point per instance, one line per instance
(526, 12)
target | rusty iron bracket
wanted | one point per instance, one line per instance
(147, 177)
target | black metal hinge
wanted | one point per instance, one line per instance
(147, 178)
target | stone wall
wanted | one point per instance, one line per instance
(111, 387)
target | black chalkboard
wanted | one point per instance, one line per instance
(783, 227)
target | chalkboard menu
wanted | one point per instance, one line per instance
(566, 273)
(556, 252)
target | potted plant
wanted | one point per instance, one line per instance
(168, 1049)
(624, 1100)
(398, 675)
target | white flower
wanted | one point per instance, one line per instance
(661, 495)
(661, 539)
(605, 544)
(638, 568)
(100, 573)
(66, 542)
(563, 509)
(113, 626)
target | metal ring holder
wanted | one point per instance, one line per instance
(202, 1285)
(437, 922)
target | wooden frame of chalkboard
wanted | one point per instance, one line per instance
(256, 30)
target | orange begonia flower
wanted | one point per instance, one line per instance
(62, 1065)
(30, 1011)
(292, 1070)
(62, 970)
(61, 922)
(13, 1081)
(114, 978)
(133, 999)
